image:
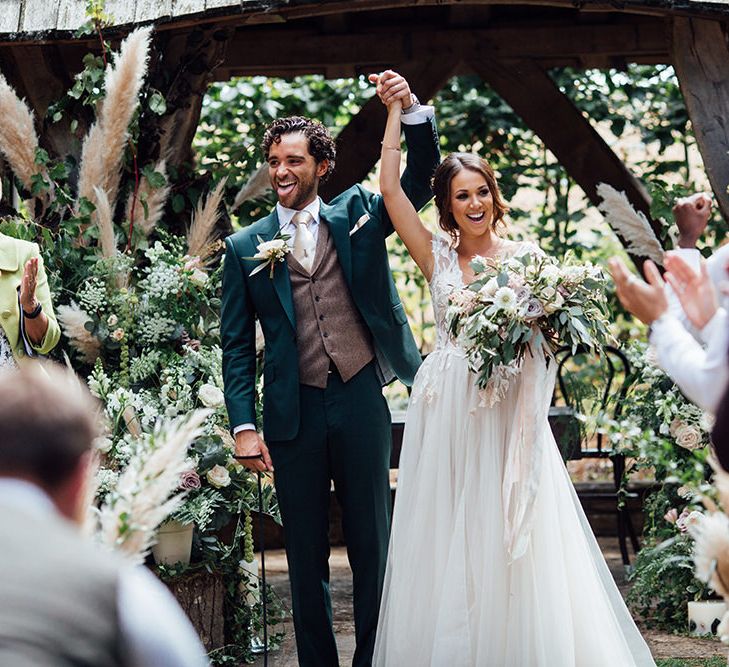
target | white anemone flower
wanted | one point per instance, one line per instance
(505, 299)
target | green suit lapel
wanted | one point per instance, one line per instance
(281, 280)
(337, 217)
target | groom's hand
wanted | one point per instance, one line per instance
(391, 86)
(647, 301)
(250, 443)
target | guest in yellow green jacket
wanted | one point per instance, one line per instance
(28, 325)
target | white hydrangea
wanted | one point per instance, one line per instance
(162, 280)
(92, 295)
(154, 329)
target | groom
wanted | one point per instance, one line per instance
(335, 332)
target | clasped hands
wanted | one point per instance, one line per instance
(392, 89)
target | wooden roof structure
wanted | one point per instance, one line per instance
(510, 45)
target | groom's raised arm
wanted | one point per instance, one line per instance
(423, 156)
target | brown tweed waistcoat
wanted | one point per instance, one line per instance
(328, 324)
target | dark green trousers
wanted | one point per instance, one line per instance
(345, 436)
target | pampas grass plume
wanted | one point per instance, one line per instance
(202, 229)
(154, 198)
(147, 490)
(103, 149)
(73, 322)
(711, 551)
(18, 138)
(257, 186)
(632, 225)
(103, 217)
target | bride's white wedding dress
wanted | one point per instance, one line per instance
(491, 559)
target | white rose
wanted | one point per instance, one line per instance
(268, 248)
(112, 321)
(550, 273)
(117, 334)
(198, 277)
(688, 436)
(103, 445)
(551, 299)
(489, 289)
(210, 396)
(218, 476)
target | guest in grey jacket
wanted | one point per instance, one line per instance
(63, 601)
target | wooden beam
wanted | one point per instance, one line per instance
(307, 49)
(533, 95)
(41, 75)
(701, 59)
(358, 144)
(182, 73)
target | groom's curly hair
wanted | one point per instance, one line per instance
(321, 142)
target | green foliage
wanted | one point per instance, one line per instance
(663, 575)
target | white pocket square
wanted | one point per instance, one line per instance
(359, 224)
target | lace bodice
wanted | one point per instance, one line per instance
(447, 277)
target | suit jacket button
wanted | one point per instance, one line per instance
(6, 314)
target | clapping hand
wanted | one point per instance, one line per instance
(392, 88)
(28, 302)
(647, 301)
(694, 290)
(691, 215)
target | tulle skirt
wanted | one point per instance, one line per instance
(452, 595)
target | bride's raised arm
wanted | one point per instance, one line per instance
(405, 219)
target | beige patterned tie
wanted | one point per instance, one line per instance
(304, 242)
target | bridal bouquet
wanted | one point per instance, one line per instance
(523, 305)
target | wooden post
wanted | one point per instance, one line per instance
(358, 144)
(564, 130)
(182, 71)
(701, 59)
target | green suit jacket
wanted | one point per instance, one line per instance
(363, 257)
(14, 253)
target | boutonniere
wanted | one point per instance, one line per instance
(269, 253)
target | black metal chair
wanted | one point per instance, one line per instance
(616, 369)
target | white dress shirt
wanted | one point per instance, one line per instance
(696, 360)
(155, 631)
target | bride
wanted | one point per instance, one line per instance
(491, 559)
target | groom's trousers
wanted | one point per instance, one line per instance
(344, 436)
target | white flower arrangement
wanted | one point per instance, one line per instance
(269, 253)
(524, 305)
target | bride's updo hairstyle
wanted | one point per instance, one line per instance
(444, 173)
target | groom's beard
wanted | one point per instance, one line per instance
(302, 193)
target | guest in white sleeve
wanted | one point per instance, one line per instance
(64, 601)
(689, 326)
